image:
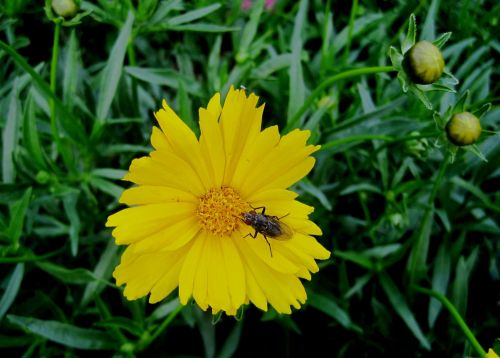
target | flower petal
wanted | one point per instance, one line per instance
(135, 223)
(288, 162)
(170, 171)
(149, 194)
(235, 272)
(212, 146)
(190, 267)
(182, 141)
(240, 123)
(171, 238)
(141, 272)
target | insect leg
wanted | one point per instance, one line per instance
(284, 216)
(260, 207)
(268, 244)
(252, 236)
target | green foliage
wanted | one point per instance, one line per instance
(394, 211)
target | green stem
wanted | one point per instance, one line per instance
(164, 325)
(293, 122)
(453, 311)
(354, 9)
(53, 80)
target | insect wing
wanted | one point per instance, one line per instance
(286, 232)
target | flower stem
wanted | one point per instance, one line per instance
(164, 325)
(53, 78)
(292, 123)
(453, 311)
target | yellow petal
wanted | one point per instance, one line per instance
(138, 222)
(259, 247)
(218, 295)
(183, 141)
(253, 154)
(189, 268)
(310, 246)
(282, 166)
(169, 239)
(147, 171)
(235, 272)
(212, 146)
(240, 123)
(142, 272)
(281, 290)
(149, 194)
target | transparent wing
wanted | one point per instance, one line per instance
(286, 232)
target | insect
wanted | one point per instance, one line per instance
(267, 225)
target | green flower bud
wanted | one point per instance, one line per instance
(64, 8)
(463, 129)
(424, 63)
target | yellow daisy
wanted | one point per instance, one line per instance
(185, 226)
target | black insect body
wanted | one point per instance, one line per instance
(267, 225)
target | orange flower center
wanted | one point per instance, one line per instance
(220, 210)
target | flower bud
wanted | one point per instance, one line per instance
(463, 129)
(64, 8)
(424, 63)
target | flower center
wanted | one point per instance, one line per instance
(220, 209)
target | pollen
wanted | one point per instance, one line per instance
(220, 210)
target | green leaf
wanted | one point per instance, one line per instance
(232, 342)
(31, 139)
(69, 122)
(164, 77)
(411, 35)
(193, 15)
(401, 307)
(69, 202)
(102, 271)
(440, 280)
(65, 334)
(417, 263)
(11, 289)
(124, 323)
(249, 31)
(71, 63)
(328, 306)
(306, 185)
(356, 258)
(429, 27)
(78, 276)
(106, 186)
(109, 173)
(17, 216)
(10, 136)
(477, 192)
(297, 87)
(202, 27)
(111, 73)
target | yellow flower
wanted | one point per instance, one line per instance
(491, 354)
(185, 228)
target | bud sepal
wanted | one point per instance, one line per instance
(461, 128)
(421, 66)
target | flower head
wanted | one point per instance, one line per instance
(461, 128)
(185, 228)
(421, 66)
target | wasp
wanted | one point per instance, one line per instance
(267, 225)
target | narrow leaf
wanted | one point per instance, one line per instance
(409, 41)
(65, 334)
(401, 307)
(111, 73)
(11, 290)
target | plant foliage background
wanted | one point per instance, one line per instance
(388, 219)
